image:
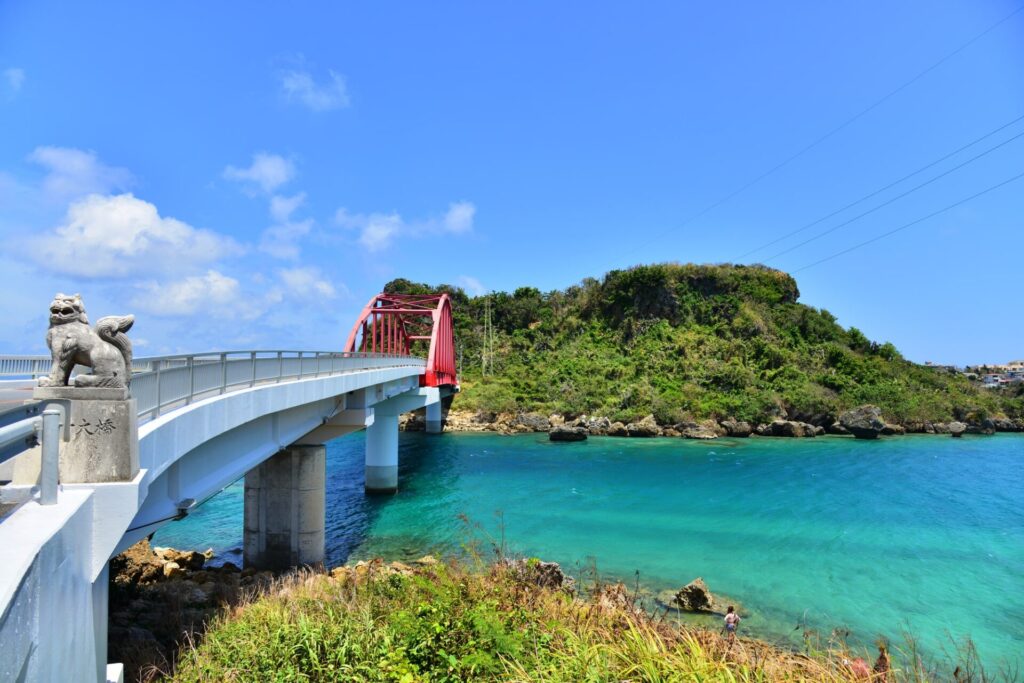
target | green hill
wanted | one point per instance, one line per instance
(691, 342)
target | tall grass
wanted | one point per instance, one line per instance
(446, 622)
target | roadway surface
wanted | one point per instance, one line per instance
(15, 392)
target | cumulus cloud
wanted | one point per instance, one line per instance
(377, 231)
(282, 208)
(472, 285)
(119, 236)
(298, 85)
(75, 172)
(306, 282)
(459, 218)
(281, 239)
(212, 291)
(15, 78)
(267, 171)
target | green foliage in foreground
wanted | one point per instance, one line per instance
(692, 342)
(444, 624)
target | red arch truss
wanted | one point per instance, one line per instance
(395, 323)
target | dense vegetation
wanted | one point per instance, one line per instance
(691, 342)
(444, 623)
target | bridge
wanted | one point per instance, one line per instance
(90, 471)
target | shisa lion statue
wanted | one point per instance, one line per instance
(106, 349)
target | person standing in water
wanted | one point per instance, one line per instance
(732, 620)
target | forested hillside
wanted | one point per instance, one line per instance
(690, 342)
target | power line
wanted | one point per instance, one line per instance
(894, 199)
(911, 223)
(838, 128)
(881, 189)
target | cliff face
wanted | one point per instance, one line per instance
(690, 342)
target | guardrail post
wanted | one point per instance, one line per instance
(298, 375)
(223, 372)
(280, 366)
(317, 364)
(51, 457)
(252, 358)
(191, 379)
(156, 367)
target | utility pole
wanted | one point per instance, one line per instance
(485, 350)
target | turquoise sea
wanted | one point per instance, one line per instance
(917, 533)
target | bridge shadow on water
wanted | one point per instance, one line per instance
(350, 513)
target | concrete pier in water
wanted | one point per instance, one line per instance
(435, 420)
(382, 452)
(284, 509)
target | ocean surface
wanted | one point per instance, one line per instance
(921, 534)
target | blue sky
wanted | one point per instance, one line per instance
(248, 175)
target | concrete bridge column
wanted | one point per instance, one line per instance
(284, 509)
(382, 452)
(434, 418)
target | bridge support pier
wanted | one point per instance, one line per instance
(434, 418)
(382, 453)
(284, 509)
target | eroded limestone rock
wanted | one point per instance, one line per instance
(695, 597)
(864, 422)
(567, 433)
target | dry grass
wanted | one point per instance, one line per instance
(444, 622)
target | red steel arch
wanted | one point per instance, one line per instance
(393, 323)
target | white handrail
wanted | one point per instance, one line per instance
(45, 431)
(174, 381)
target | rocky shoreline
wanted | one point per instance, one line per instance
(862, 422)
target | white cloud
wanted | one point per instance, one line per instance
(282, 208)
(74, 173)
(15, 78)
(268, 171)
(380, 230)
(377, 231)
(459, 218)
(281, 240)
(209, 292)
(119, 236)
(306, 282)
(298, 85)
(472, 285)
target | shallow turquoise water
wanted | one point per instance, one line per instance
(925, 533)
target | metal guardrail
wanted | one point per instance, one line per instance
(173, 381)
(162, 382)
(15, 366)
(43, 430)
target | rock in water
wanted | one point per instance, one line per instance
(646, 427)
(864, 422)
(957, 429)
(617, 429)
(566, 433)
(695, 597)
(736, 429)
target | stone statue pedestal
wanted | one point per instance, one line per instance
(102, 433)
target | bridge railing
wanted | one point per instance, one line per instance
(26, 426)
(24, 366)
(165, 382)
(172, 381)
